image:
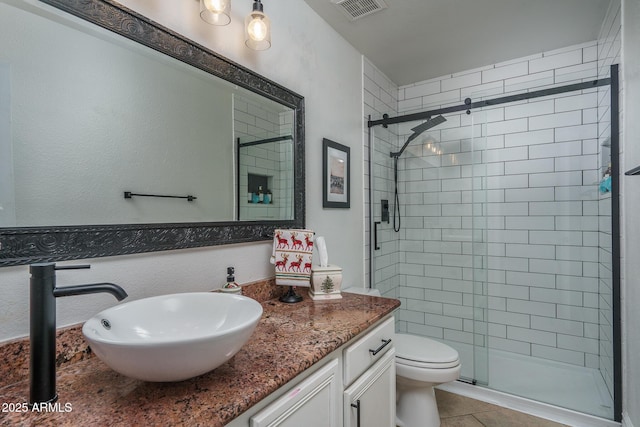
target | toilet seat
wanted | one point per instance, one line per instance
(422, 352)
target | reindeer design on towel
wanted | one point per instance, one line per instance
(292, 255)
(295, 243)
(296, 264)
(309, 242)
(307, 267)
(282, 265)
(282, 242)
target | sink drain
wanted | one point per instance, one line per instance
(106, 324)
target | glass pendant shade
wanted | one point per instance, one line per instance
(257, 29)
(215, 12)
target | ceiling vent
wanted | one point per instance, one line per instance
(356, 9)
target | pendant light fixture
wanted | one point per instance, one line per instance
(215, 12)
(257, 28)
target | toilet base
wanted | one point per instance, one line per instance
(416, 404)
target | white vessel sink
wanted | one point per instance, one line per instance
(172, 337)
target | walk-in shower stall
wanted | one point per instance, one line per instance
(494, 220)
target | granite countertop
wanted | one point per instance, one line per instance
(288, 339)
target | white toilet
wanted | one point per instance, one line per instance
(421, 364)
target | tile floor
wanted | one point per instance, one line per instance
(461, 411)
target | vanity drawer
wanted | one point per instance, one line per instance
(359, 356)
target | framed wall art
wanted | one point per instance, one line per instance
(336, 175)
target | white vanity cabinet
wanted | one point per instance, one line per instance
(370, 379)
(327, 394)
(371, 400)
(315, 402)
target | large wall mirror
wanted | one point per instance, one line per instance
(119, 136)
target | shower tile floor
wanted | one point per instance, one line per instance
(460, 411)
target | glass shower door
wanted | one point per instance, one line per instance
(506, 248)
(430, 251)
(480, 198)
(383, 244)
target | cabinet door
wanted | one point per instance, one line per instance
(315, 402)
(371, 400)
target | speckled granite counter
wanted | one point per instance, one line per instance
(289, 339)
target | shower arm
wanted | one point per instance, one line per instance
(397, 154)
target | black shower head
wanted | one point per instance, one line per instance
(430, 123)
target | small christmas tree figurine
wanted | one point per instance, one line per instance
(327, 285)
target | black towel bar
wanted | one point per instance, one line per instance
(129, 194)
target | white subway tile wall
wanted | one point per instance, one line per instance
(272, 160)
(528, 161)
(380, 96)
(608, 53)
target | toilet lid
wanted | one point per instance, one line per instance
(413, 348)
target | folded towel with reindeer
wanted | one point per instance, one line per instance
(292, 253)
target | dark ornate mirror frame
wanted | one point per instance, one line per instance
(25, 245)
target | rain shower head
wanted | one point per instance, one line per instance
(430, 123)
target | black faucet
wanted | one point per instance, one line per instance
(42, 326)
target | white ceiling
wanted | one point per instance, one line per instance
(415, 40)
